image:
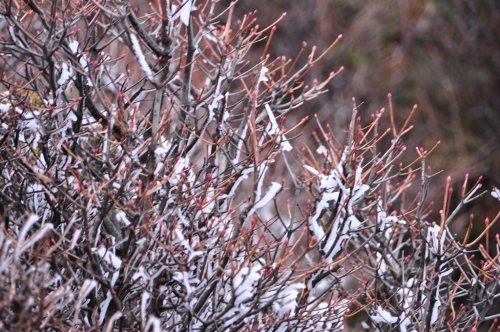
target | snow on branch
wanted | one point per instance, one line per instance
(136, 48)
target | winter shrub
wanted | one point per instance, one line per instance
(149, 181)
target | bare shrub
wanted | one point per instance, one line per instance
(140, 191)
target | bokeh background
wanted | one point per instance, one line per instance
(442, 55)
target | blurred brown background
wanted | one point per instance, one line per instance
(442, 55)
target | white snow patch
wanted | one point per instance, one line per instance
(66, 74)
(136, 48)
(185, 12)
(288, 302)
(271, 193)
(496, 193)
(322, 150)
(244, 281)
(262, 75)
(383, 316)
(274, 130)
